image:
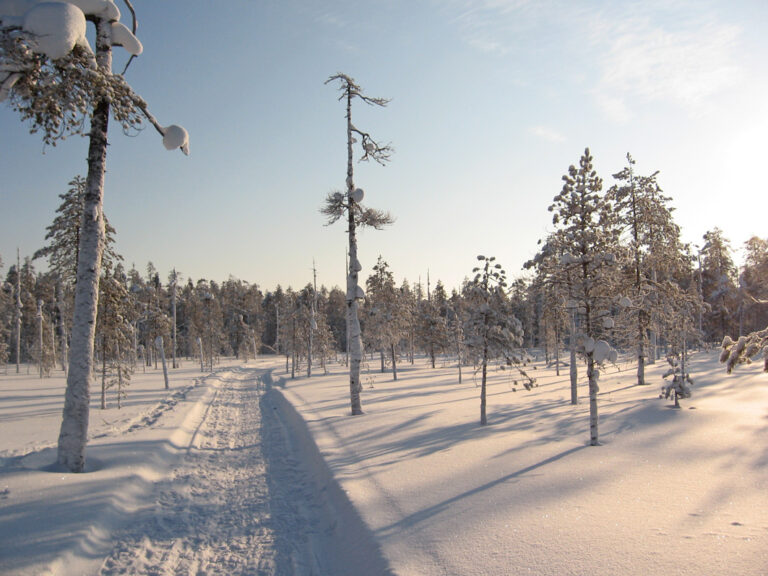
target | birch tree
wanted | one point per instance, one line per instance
(50, 74)
(349, 205)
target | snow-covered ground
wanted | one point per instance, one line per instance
(245, 471)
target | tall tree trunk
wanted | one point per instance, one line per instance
(73, 435)
(40, 334)
(103, 374)
(161, 349)
(483, 417)
(574, 369)
(119, 374)
(394, 361)
(593, 390)
(18, 311)
(173, 313)
(62, 325)
(641, 330)
(353, 321)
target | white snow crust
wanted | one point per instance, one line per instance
(247, 472)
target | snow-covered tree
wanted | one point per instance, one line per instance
(653, 254)
(744, 349)
(348, 204)
(492, 331)
(114, 333)
(431, 327)
(50, 74)
(557, 283)
(718, 285)
(585, 222)
(457, 317)
(384, 325)
(753, 286)
(680, 384)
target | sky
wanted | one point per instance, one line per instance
(491, 102)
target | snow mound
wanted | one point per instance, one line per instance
(56, 28)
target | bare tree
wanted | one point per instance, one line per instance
(338, 205)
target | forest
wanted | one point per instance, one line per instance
(675, 292)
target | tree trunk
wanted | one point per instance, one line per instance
(103, 375)
(593, 390)
(573, 367)
(73, 435)
(119, 374)
(353, 321)
(161, 348)
(18, 311)
(641, 326)
(394, 361)
(483, 417)
(173, 313)
(40, 334)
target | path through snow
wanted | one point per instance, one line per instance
(240, 502)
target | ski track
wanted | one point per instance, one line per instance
(221, 511)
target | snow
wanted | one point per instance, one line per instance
(56, 28)
(176, 137)
(244, 471)
(122, 36)
(357, 195)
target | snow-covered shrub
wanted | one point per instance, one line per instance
(681, 382)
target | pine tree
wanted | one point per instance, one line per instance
(348, 204)
(753, 286)
(718, 285)
(654, 254)
(585, 223)
(492, 330)
(114, 334)
(55, 80)
(384, 324)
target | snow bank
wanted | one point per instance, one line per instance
(55, 522)
(668, 492)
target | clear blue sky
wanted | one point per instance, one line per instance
(492, 100)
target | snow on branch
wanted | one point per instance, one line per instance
(744, 349)
(49, 74)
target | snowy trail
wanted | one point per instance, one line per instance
(249, 497)
(212, 516)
